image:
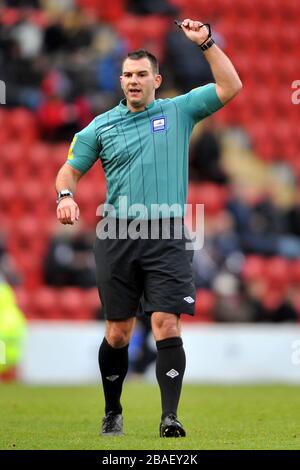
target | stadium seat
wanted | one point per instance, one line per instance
(34, 196)
(211, 195)
(253, 268)
(23, 125)
(30, 234)
(205, 301)
(129, 28)
(39, 18)
(13, 153)
(295, 272)
(24, 301)
(29, 265)
(23, 298)
(10, 16)
(38, 161)
(45, 304)
(92, 302)
(277, 272)
(106, 11)
(72, 307)
(7, 193)
(59, 155)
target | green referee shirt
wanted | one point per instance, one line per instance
(144, 154)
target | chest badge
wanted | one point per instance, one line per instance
(158, 124)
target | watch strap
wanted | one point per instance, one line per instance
(62, 194)
(207, 44)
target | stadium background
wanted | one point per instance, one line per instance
(60, 62)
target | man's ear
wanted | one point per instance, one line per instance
(158, 80)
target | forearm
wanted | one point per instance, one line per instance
(67, 209)
(228, 83)
(67, 178)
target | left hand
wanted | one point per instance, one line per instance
(193, 31)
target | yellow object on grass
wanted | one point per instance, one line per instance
(12, 329)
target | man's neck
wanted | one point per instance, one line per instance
(138, 109)
(134, 109)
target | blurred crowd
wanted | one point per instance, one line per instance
(63, 63)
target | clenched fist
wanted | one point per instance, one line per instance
(195, 31)
(67, 211)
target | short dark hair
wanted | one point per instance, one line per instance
(141, 54)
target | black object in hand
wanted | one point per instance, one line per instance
(178, 23)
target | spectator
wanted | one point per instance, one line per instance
(259, 223)
(141, 354)
(55, 36)
(23, 3)
(152, 7)
(230, 306)
(293, 217)
(70, 261)
(289, 239)
(183, 61)
(29, 38)
(220, 243)
(206, 155)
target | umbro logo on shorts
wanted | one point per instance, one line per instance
(172, 373)
(112, 378)
(189, 300)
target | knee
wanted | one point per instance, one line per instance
(165, 326)
(117, 337)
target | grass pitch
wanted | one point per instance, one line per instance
(215, 417)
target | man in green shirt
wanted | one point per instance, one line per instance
(143, 147)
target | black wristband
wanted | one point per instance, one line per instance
(208, 43)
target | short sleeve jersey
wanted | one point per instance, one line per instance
(144, 154)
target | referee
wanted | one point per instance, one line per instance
(143, 147)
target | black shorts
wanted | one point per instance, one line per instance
(145, 275)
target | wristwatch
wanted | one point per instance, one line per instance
(207, 44)
(62, 194)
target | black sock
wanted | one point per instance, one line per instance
(113, 363)
(170, 367)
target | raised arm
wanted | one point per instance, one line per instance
(67, 209)
(228, 83)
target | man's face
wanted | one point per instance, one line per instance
(139, 83)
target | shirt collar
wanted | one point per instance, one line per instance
(125, 110)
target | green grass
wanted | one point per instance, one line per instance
(215, 417)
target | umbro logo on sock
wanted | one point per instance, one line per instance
(189, 300)
(172, 373)
(112, 378)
